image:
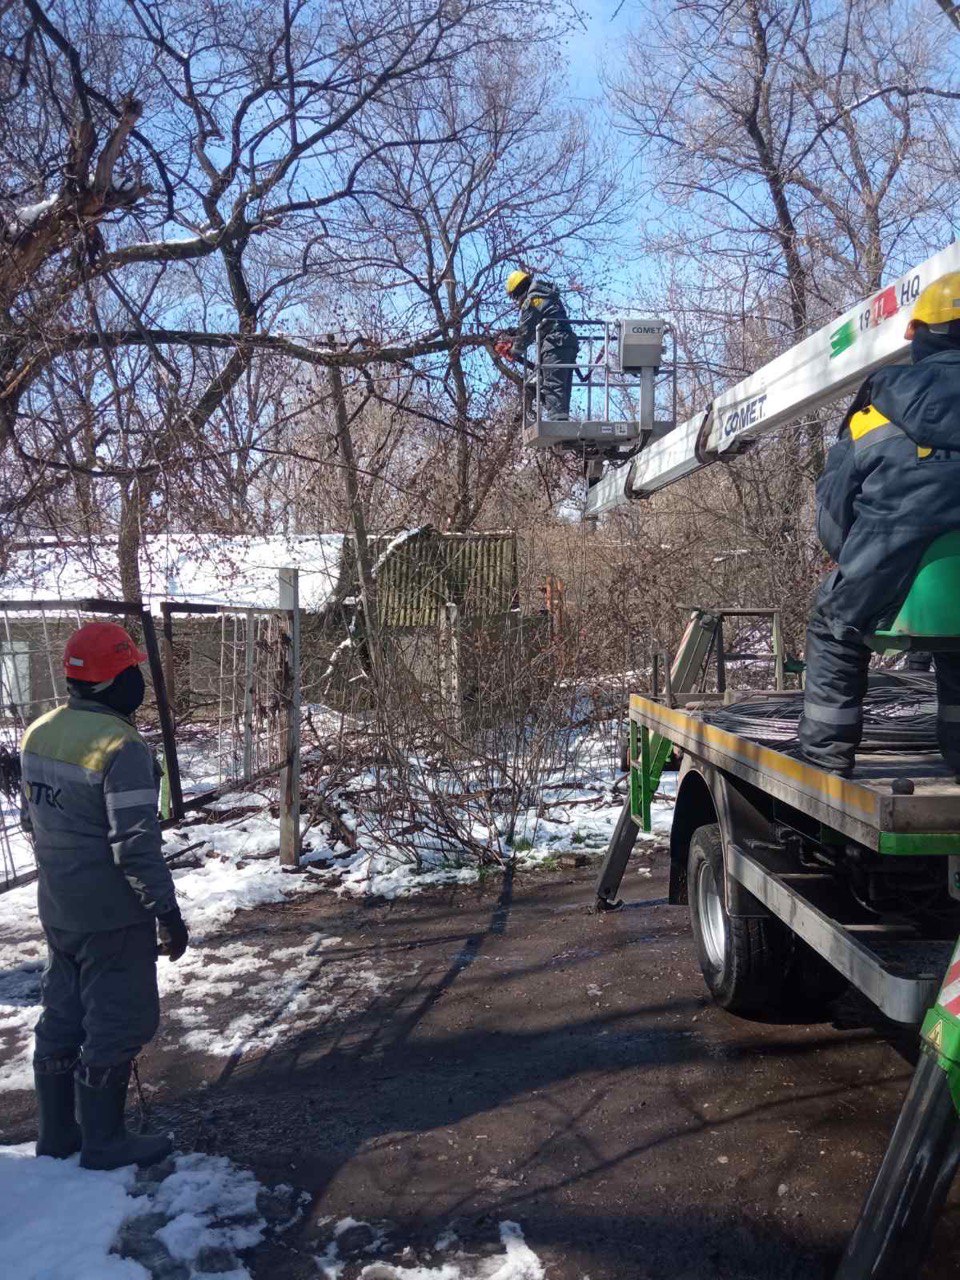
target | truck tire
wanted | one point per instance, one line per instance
(745, 961)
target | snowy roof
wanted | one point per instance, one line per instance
(208, 568)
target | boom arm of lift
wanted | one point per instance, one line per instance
(829, 364)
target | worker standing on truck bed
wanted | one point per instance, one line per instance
(541, 305)
(890, 488)
(90, 804)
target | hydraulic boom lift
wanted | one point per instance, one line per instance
(805, 862)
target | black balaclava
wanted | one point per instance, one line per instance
(521, 291)
(926, 343)
(124, 693)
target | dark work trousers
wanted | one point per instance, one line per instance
(556, 384)
(99, 994)
(836, 682)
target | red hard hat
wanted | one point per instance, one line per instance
(99, 651)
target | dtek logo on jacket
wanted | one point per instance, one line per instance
(43, 793)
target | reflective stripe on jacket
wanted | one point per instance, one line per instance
(890, 487)
(542, 304)
(89, 798)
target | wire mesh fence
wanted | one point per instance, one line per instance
(228, 676)
(33, 634)
(221, 706)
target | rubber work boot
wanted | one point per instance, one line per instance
(102, 1096)
(59, 1133)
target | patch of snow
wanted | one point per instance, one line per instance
(211, 895)
(393, 544)
(60, 1222)
(87, 1208)
(28, 215)
(204, 1192)
(517, 1262)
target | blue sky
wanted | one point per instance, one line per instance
(596, 42)
(595, 46)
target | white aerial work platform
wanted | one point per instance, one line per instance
(618, 376)
(821, 369)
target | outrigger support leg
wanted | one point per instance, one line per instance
(648, 755)
(615, 863)
(896, 1223)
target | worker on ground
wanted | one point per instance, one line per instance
(90, 803)
(541, 305)
(890, 488)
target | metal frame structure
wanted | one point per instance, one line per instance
(702, 637)
(288, 767)
(597, 370)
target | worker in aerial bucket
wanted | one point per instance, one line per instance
(89, 800)
(541, 305)
(890, 488)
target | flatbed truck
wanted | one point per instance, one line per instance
(799, 881)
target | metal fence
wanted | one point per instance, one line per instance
(222, 707)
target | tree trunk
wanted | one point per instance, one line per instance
(128, 542)
(365, 566)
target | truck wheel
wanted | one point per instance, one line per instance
(744, 960)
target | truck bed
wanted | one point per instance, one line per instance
(900, 973)
(864, 807)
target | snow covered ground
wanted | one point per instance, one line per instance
(450, 1261)
(234, 994)
(192, 1216)
(577, 809)
(198, 1215)
(232, 875)
(229, 865)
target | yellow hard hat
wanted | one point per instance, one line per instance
(938, 303)
(515, 279)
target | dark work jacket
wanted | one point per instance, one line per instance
(542, 304)
(90, 802)
(891, 486)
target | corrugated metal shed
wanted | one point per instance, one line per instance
(418, 575)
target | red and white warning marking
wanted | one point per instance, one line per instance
(949, 997)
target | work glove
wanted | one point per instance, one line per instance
(172, 933)
(504, 349)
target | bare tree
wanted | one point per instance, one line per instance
(174, 176)
(520, 180)
(240, 143)
(794, 148)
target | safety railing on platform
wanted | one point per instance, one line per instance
(609, 405)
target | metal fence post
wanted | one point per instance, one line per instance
(290, 774)
(450, 667)
(171, 762)
(251, 625)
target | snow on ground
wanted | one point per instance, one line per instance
(228, 865)
(61, 1222)
(577, 810)
(517, 1261)
(197, 1215)
(230, 877)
